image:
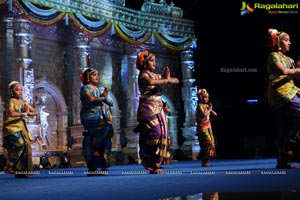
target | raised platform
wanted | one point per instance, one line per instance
(229, 179)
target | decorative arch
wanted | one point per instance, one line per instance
(116, 115)
(55, 92)
(115, 109)
(61, 114)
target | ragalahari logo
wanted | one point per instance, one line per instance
(246, 9)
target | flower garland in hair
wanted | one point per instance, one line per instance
(198, 93)
(11, 86)
(82, 75)
(273, 40)
(141, 59)
(201, 93)
(13, 83)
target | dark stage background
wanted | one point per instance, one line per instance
(227, 40)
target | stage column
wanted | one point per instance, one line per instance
(132, 105)
(189, 97)
(172, 121)
(62, 125)
(17, 61)
(8, 72)
(22, 46)
(1, 133)
(82, 62)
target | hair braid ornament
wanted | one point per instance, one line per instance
(12, 84)
(85, 75)
(82, 76)
(140, 59)
(273, 39)
(202, 93)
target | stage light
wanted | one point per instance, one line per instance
(252, 101)
(44, 162)
(65, 161)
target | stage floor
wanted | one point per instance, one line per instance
(241, 179)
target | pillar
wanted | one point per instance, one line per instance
(1, 127)
(9, 53)
(62, 124)
(116, 118)
(22, 34)
(189, 95)
(132, 104)
(82, 61)
(172, 125)
(2, 150)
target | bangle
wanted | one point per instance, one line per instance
(100, 100)
(23, 114)
(108, 102)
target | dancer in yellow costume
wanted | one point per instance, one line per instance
(17, 139)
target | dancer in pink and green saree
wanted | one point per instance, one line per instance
(154, 137)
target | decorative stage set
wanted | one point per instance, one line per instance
(46, 43)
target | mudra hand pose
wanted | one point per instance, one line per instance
(94, 121)
(204, 129)
(17, 139)
(154, 137)
(283, 98)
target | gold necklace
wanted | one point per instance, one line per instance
(282, 55)
(94, 88)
